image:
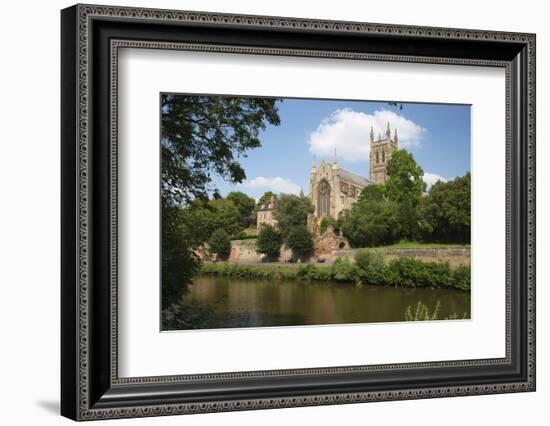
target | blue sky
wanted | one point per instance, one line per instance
(438, 135)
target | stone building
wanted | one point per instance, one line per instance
(264, 214)
(334, 189)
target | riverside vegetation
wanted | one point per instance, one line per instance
(369, 268)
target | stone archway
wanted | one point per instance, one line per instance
(323, 199)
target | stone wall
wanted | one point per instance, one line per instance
(454, 256)
(329, 246)
(245, 251)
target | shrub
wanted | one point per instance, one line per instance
(410, 272)
(269, 242)
(300, 242)
(220, 243)
(343, 270)
(371, 266)
(461, 277)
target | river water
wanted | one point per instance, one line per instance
(261, 303)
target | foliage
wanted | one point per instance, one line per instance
(369, 270)
(330, 221)
(371, 264)
(404, 186)
(220, 243)
(264, 199)
(202, 218)
(206, 135)
(422, 312)
(310, 272)
(344, 270)
(400, 209)
(444, 214)
(178, 261)
(371, 224)
(372, 193)
(409, 272)
(245, 205)
(461, 277)
(269, 242)
(242, 236)
(201, 136)
(300, 242)
(291, 211)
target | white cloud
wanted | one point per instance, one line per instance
(349, 132)
(275, 184)
(431, 178)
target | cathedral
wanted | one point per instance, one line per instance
(334, 189)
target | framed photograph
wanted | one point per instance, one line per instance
(263, 212)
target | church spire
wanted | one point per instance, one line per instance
(371, 134)
(395, 136)
(313, 165)
(388, 131)
(334, 160)
(302, 191)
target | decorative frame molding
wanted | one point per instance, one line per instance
(91, 37)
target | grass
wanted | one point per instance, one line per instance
(404, 244)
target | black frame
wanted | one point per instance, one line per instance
(90, 386)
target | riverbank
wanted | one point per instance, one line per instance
(402, 272)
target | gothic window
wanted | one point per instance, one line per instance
(323, 199)
(383, 156)
(344, 187)
(377, 157)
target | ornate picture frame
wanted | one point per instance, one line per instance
(90, 39)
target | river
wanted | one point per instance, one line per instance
(260, 303)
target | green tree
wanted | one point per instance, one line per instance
(300, 242)
(372, 224)
(264, 199)
(178, 262)
(291, 211)
(246, 206)
(405, 185)
(201, 218)
(201, 136)
(220, 243)
(226, 216)
(269, 242)
(372, 193)
(444, 214)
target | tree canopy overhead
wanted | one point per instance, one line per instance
(203, 136)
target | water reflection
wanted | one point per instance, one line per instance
(257, 303)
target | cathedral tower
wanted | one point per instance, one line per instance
(380, 153)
